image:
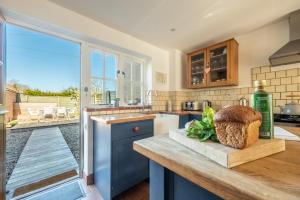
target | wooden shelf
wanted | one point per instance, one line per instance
(218, 69)
(217, 56)
(201, 60)
(195, 73)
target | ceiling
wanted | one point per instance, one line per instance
(197, 22)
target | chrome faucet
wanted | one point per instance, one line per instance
(149, 93)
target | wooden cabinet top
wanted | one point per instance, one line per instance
(122, 118)
(212, 46)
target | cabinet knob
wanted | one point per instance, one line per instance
(136, 129)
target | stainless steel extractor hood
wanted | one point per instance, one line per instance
(289, 53)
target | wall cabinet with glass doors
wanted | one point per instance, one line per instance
(214, 66)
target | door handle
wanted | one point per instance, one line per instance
(136, 129)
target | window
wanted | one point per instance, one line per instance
(118, 75)
(133, 82)
(103, 77)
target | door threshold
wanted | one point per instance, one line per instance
(43, 185)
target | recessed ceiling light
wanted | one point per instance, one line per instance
(172, 29)
(208, 15)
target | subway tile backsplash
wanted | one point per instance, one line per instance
(280, 83)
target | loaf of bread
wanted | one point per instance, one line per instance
(237, 126)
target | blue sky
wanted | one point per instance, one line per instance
(41, 61)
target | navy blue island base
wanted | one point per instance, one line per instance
(167, 185)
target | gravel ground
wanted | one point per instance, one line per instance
(15, 143)
(71, 134)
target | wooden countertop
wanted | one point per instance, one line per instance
(273, 177)
(122, 118)
(180, 112)
(111, 108)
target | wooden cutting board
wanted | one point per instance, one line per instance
(227, 156)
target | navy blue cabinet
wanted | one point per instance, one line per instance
(183, 119)
(167, 185)
(117, 167)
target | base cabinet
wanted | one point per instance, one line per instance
(129, 167)
(187, 118)
(117, 167)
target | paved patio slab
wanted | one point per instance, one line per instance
(46, 154)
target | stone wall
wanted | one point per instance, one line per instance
(60, 101)
(280, 83)
(20, 110)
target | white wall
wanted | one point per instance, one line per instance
(256, 47)
(177, 70)
(54, 15)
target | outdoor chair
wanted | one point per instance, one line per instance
(61, 112)
(34, 113)
(71, 113)
(48, 112)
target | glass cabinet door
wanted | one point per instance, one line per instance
(218, 64)
(196, 71)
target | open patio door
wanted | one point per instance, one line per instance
(2, 108)
(43, 99)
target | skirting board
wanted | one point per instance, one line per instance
(227, 156)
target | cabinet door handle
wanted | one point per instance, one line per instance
(135, 129)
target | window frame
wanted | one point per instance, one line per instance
(121, 58)
(132, 60)
(103, 78)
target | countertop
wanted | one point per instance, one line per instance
(183, 112)
(273, 177)
(122, 118)
(112, 108)
(179, 112)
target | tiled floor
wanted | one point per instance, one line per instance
(139, 192)
(91, 192)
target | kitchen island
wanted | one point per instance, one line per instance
(177, 172)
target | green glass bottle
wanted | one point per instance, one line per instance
(262, 102)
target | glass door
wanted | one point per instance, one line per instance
(2, 116)
(2, 69)
(196, 73)
(218, 72)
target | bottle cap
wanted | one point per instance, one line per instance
(260, 83)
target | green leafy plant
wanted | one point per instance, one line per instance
(11, 123)
(204, 129)
(69, 92)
